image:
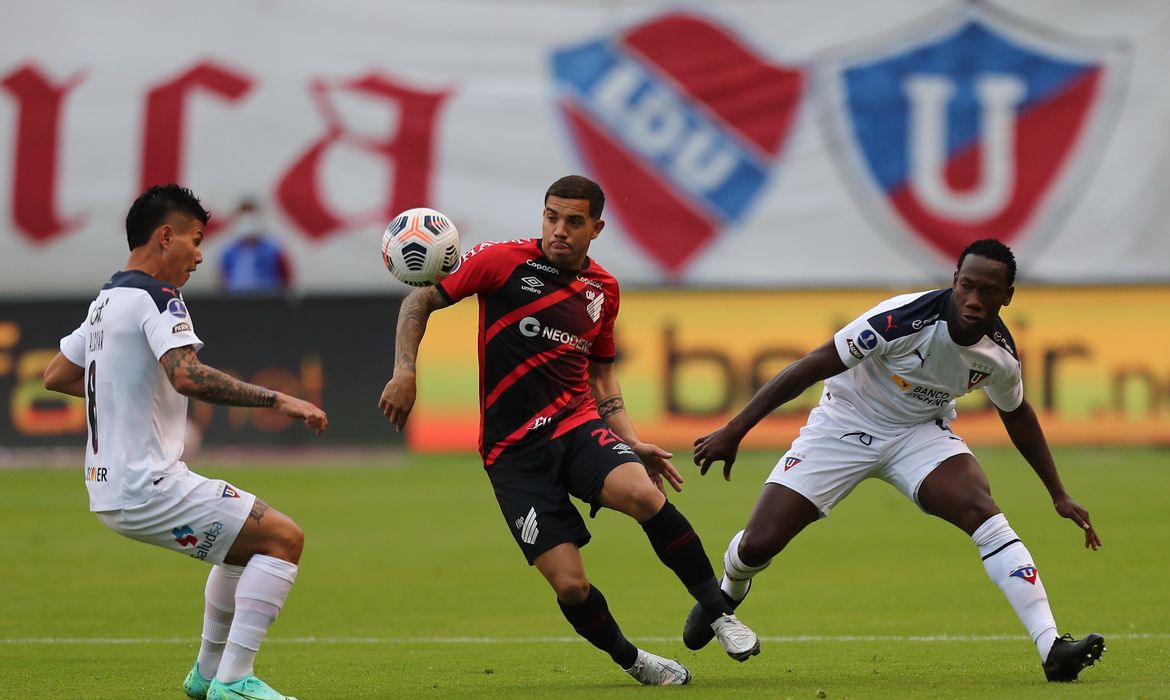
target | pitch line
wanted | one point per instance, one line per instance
(787, 639)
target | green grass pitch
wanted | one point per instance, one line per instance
(410, 587)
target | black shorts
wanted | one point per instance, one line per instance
(533, 487)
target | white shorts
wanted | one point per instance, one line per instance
(187, 513)
(828, 460)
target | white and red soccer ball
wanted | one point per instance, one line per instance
(420, 247)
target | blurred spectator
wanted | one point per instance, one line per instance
(255, 262)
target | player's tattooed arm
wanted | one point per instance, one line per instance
(191, 377)
(412, 324)
(609, 406)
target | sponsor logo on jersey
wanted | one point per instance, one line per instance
(1027, 572)
(177, 308)
(542, 267)
(527, 527)
(591, 283)
(1004, 342)
(180, 327)
(853, 349)
(790, 462)
(229, 492)
(185, 536)
(975, 376)
(972, 124)
(932, 397)
(867, 339)
(920, 323)
(661, 127)
(96, 474)
(530, 327)
(532, 284)
(925, 394)
(96, 316)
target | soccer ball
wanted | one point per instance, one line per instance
(420, 247)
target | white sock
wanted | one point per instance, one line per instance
(737, 576)
(1010, 566)
(219, 605)
(260, 595)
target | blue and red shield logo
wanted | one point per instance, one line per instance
(972, 124)
(1027, 573)
(681, 124)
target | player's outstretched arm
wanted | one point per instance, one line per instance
(723, 444)
(64, 376)
(607, 392)
(1024, 429)
(398, 396)
(192, 378)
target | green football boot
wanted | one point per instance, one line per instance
(247, 688)
(195, 685)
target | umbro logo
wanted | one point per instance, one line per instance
(532, 284)
(527, 527)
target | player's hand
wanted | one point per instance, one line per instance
(658, 466)
(398, 399)
(1068, 508)
(303, 410)
(719, 446)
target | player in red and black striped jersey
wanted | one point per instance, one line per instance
(539, 330)
(554, 423)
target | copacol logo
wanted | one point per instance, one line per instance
(662, 128)
(970, 124)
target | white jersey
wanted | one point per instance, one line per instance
(904, 368)
(136, 418)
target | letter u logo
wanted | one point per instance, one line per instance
(998, 96)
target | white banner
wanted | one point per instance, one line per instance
(739, 143)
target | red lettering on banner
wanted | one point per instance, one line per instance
(298, 191)
(162, 147)
(34, 176)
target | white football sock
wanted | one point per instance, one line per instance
(1010, 566)
(260, 595)
(737, 576)
(219, 604)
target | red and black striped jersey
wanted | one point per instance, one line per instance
(539, 327)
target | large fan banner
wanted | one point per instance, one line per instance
(740, 145)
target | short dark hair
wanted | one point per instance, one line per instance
(153, 207)
(578, 187)
(992, 249)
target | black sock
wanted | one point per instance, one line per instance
(592, 620)
(678, 546)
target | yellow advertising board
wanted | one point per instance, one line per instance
(1095, 364)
